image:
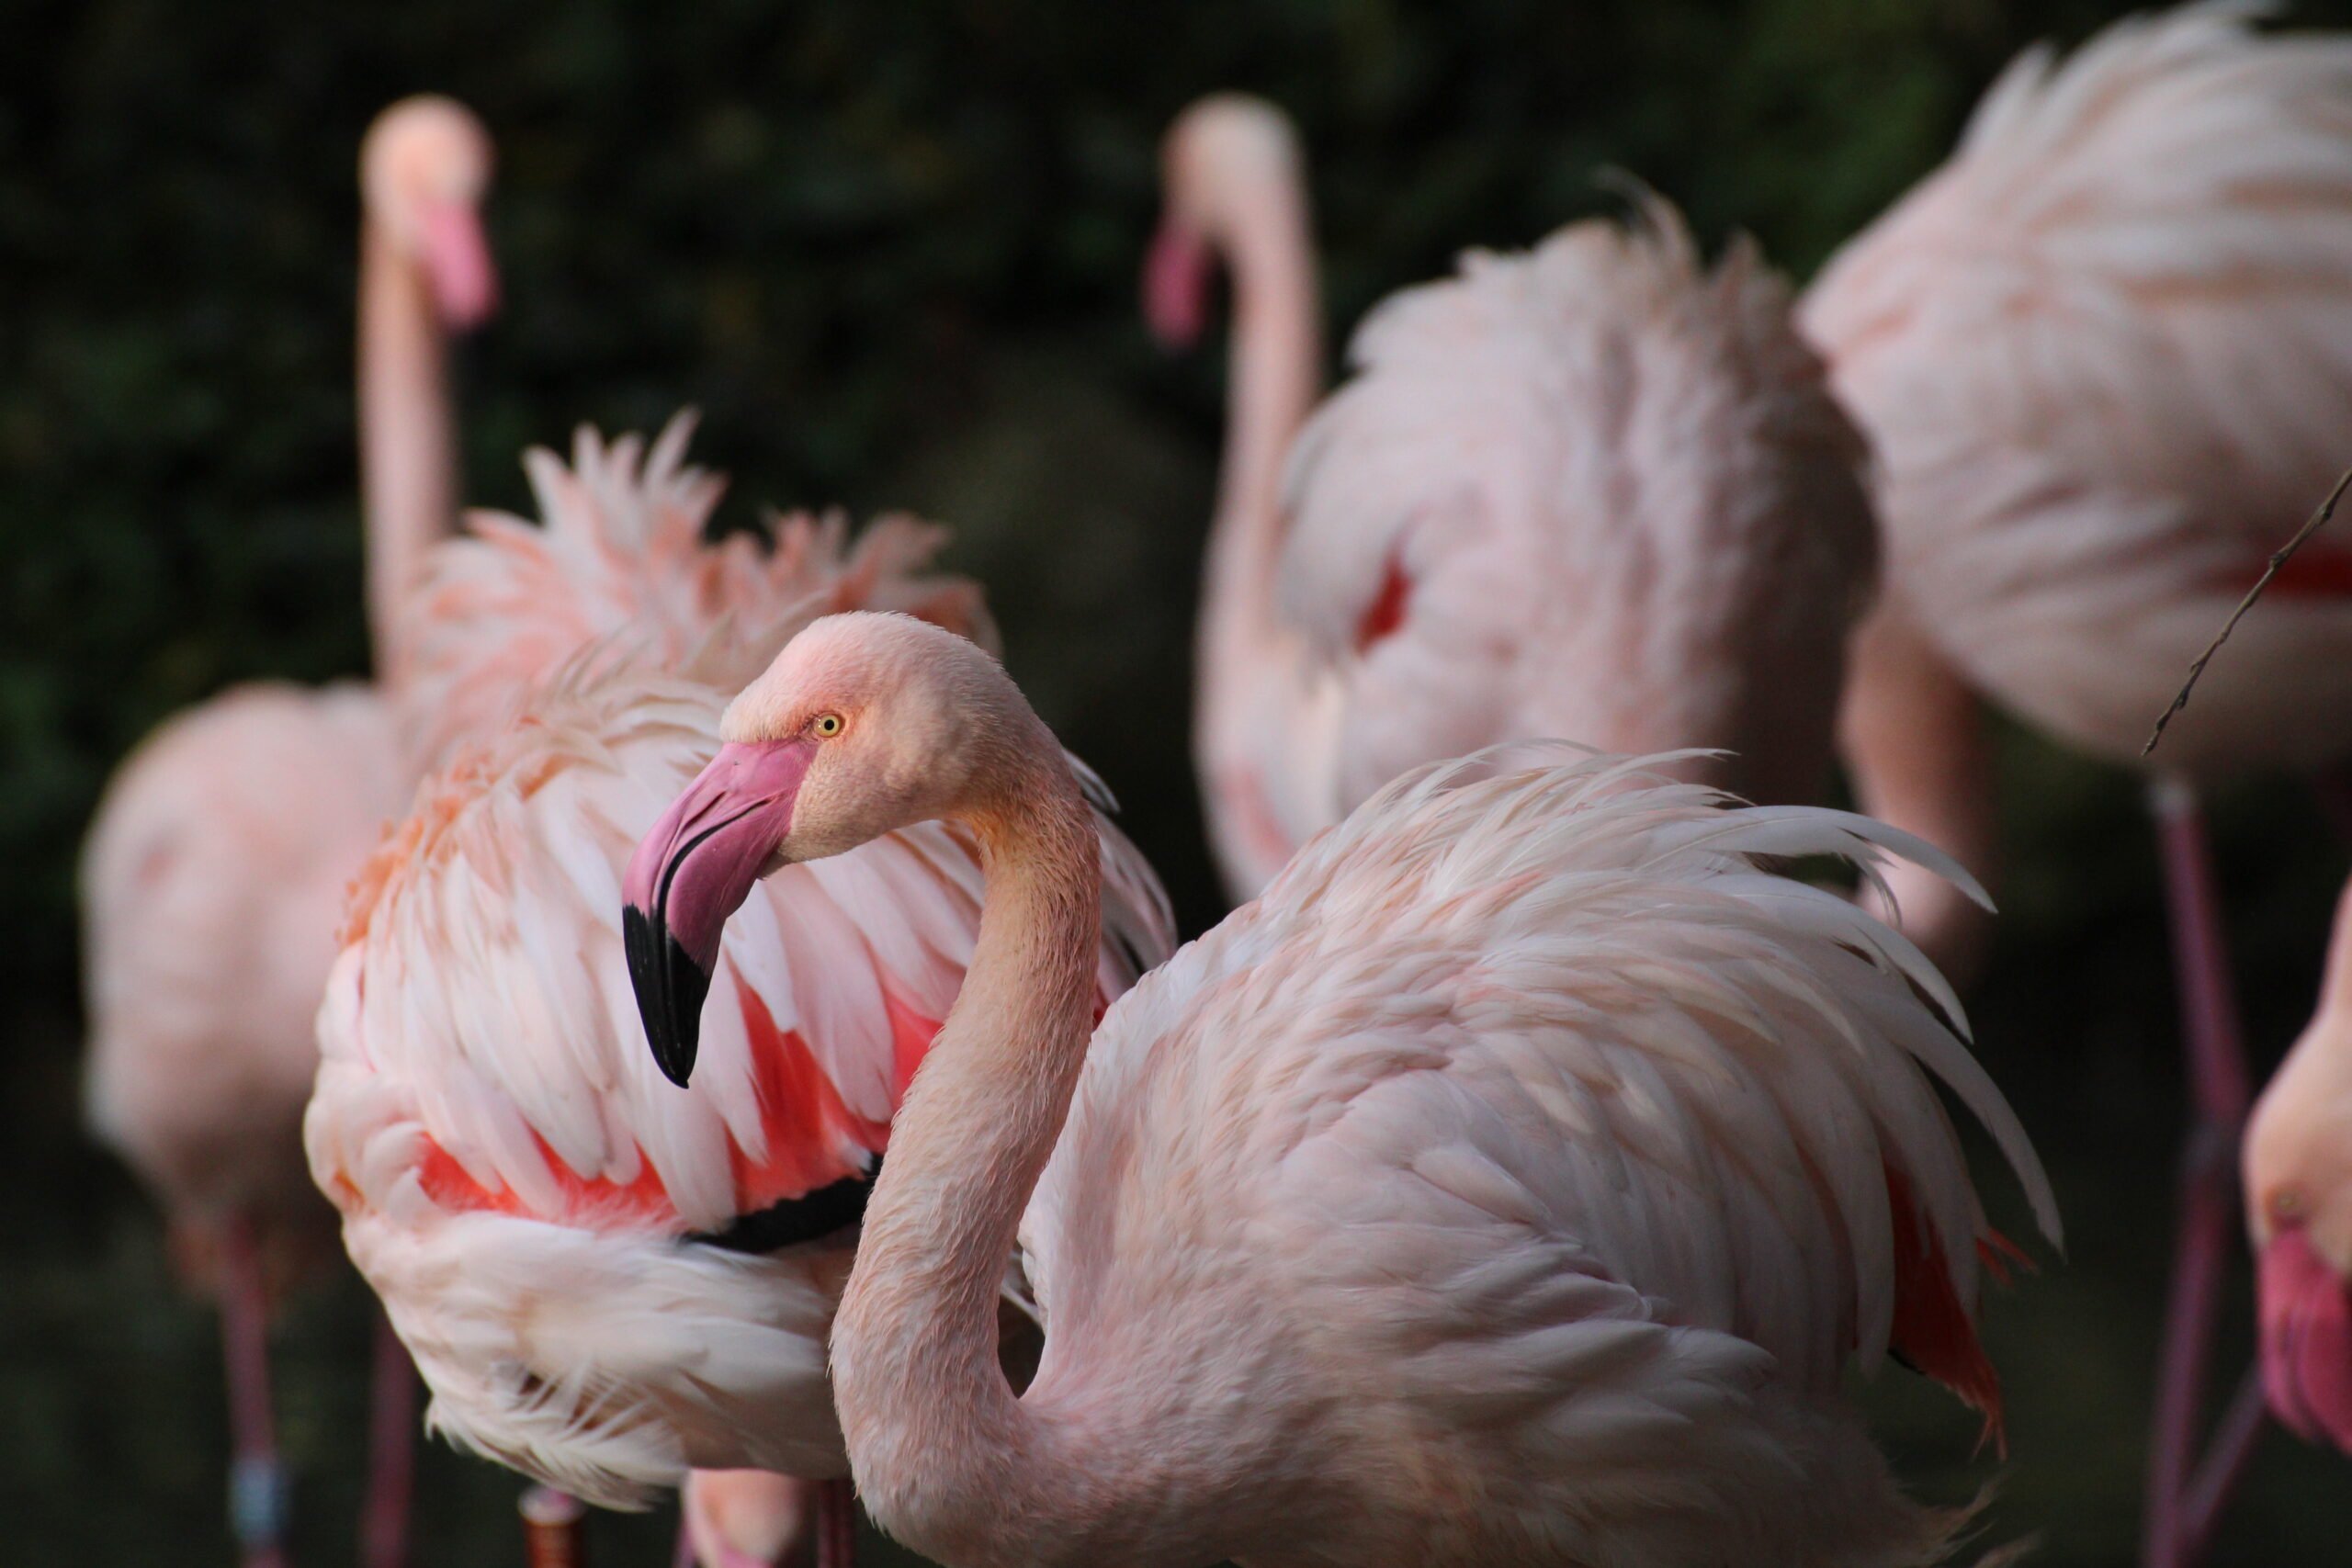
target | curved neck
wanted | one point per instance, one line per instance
(1275, 375)
(947, 1459)
(1912, 734)
(407, 445)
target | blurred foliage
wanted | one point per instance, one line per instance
(890, 250)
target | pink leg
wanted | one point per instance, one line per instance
(683, 1554)
(836, 1524)
(391, 1452)
(257, 1485)
(552, 1536)
(2208, 1201)
(2225, 1462)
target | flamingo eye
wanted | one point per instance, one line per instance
(826, 725)
(2286, 1206)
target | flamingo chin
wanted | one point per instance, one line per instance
(455, 256)
(2306, 1339)
(1176, 287)
(692, 872)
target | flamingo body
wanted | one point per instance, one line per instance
(1450, 1137)
(2104, 357)
(572, 1250)
(211, 893)
(1589, 491)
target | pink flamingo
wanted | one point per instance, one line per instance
(2105, 356)
(605, 1284)
(2298, 1209)
(209, 893)
(1510, 1182)
(1591, 490)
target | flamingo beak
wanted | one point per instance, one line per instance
(2306, 1339)
(692, 872)
(1176, 287)
(457, 267)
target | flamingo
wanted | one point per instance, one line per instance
(1591, 490)
(2298, 1209)
(209, 893)
(2104, 355)
(602, 1284)
(1510, 1182)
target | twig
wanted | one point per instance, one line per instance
(2327, 510)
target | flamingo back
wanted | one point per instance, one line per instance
(1543, 1145)
(1592, 491)
(622, 545)
(2104, 357)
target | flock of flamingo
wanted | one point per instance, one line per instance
(1514, 1177)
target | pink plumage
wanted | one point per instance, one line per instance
(1593, 490)
(516, 1181)
(2103, 359)
(1513, 1180)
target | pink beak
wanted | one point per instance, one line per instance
(1176, 287)
(457, 267)
(2306, 1339)
(692, 872)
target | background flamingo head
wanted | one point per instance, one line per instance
(864, 723)
(423, 171)
(1226, 160)
(2299, 1200)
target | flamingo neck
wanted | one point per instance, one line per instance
(407, 445)
(1275, 373)
(1911, 732)
(947, 1459)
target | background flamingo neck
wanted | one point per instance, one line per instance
(1911, 732)
(407, 445)
(1276, 374)
(947, 1459)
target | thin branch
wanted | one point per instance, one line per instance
(2327, 510)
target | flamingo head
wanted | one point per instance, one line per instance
(1223, 154)
(743, 1519)
(423, 170)
(865, 723)
(2299, 1194)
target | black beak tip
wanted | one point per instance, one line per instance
(670, 987)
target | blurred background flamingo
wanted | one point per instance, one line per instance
(2105, 359)
(1592, 491)
(605, 1282)
(212, 890)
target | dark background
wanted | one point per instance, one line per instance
(890, 250)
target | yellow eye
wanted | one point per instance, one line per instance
(827, 724)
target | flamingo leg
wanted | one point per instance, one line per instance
(391, 1452)
(2218, 1097)
(836, 1524)
(257, 1484)
(553, 1532)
